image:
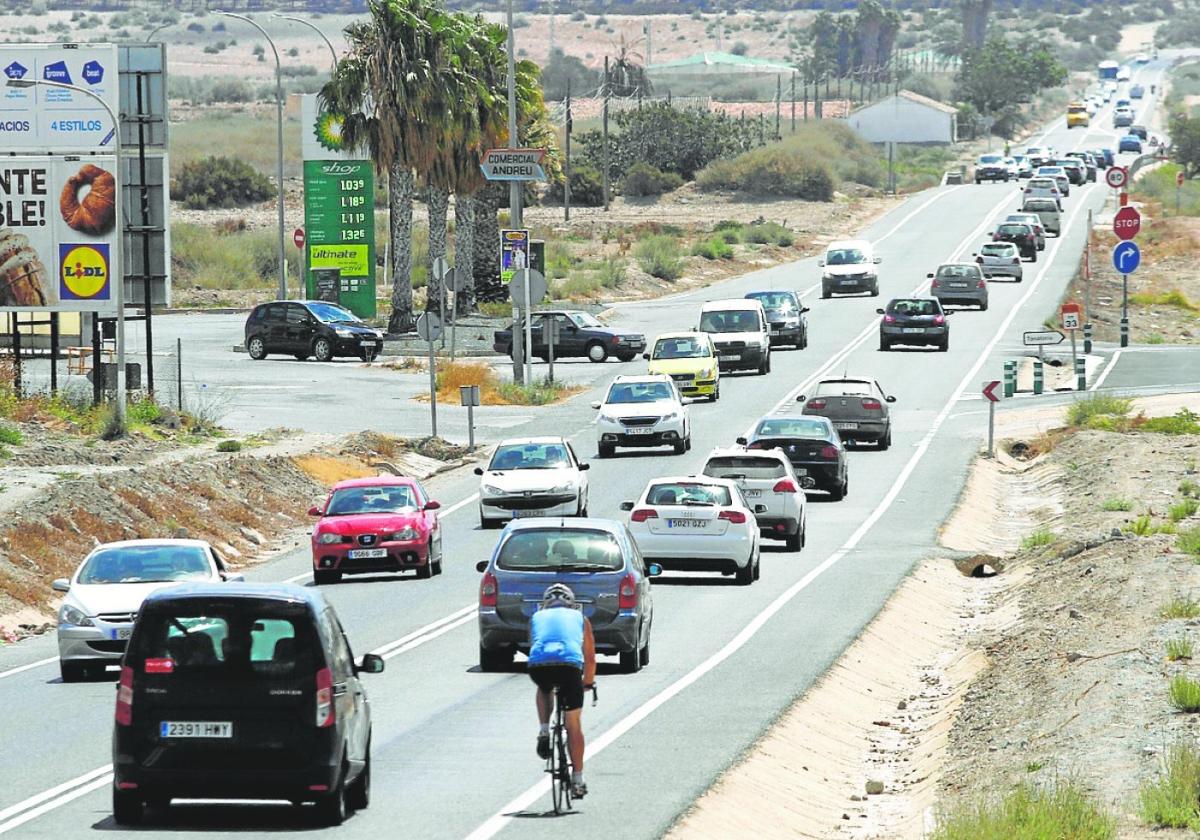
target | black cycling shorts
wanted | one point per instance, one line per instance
(566, 678)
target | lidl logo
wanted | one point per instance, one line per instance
(57, 71)
(93, 72)
(16, 70)
(83, 272)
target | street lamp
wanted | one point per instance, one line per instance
(279, 140)
(156, 30)
(314, 28)
(119, 272)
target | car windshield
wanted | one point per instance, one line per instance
(531, 456)
(1014, 229)
(1050, 170)
(734, 320)
(688, 493)
(638, 392)
(775, 301)
(1041, 206)
(997, 249)
(1022, 219)
(560, 549)
(990, 158)
(744, 466)
(329, 314)
(584, 320)
(792, 427)
(380, 499)
(146, 564)
(845, 387)
(957, 271)
(845, 256)
(913, 307)
(681, 348)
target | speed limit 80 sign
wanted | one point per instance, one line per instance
(1116, 177)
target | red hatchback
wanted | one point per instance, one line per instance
(380, 524)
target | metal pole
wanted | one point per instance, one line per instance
(528, 330)
(96, 362)
(147, 293)
(514, 188)
(279, 145)
(179, 372)
(1074, 355)
(53, 352)
(441, 286)
(1124, 310)
(552, 326)
(1087, 287)
(314, 28)
(604, 148)
(432, 389)
(471, 425)
(155, 31)
(454, 316)
(567, 160)
(16, 343)
(991, 429)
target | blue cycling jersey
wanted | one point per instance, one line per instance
(556, 637)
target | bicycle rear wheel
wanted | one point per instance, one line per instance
(564, 769)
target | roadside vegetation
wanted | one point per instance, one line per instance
(1172, 800)
(496, 391)
(1060, 810)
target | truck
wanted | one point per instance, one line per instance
(1107, 70)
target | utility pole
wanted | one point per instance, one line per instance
(647, 30)
(567, 161)
(514, 194)
(793, 94)
(551, 26)
(778, 102)
(806, 101)
(604, 151)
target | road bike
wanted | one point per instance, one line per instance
(558, 765)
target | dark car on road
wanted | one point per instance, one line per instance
(310, 328)
(857, 407)
(811, 444)
(1021, 235)
(1104, 157)
(241, 691)
(1140, 131)
(1075, 170)
(597, 558)
(1089, 164)
(785, 315)
(579, 335)
(914, 321)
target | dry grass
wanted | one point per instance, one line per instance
(494, 391)
(328, 471)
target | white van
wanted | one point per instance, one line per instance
(849, 266)
(740, 332)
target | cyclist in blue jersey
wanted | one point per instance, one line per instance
(562, 655)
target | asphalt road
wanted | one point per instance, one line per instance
(453, 748)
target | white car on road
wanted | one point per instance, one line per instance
(768, 482)
(641, 411)
(535, 476)
(105, 593)
(697, 524)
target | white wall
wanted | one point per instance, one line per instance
(900, 120)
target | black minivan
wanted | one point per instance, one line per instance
(304, 328)
(241, 691)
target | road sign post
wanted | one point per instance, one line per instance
(528, 285)
(989, 394)
(1126, 223)
(1087, 287)
(440, 269)
(1071, 318)
(1116, 176)
(468, 395)
(1126, 257)
(429, 328)
(550, 336)
(513, 165)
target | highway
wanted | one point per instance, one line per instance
(453, 748)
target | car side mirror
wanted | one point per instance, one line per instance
(314, 511)
(233, 577)
(433, 505)
(820, 263)
(877, 260)
(372, 663)
(596, 405)
(800, 398)
(889, 399)
(60, 585)
(478, 471)
(626, 506)
(804, 309)
(481, 566)
(741, 441)
(760, 508)
(646, 356)
(584, 467)
(930, 274)
(654, 570)
(879, 312)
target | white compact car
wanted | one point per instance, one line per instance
(535, 476)
(849, 267)
(697, 524)
(767, 481)
(641, 411)
(740, 332)
(106, 592)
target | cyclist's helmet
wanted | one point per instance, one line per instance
(558, 594)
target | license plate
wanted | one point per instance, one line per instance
(525, 514)
(914, 329)
(640, 431)
(195, 729)
(848, 282)
(751, 494)
(120, 633)
(848, 426)
(958, 285)
(367, 553)
(366, 343)
(729, 357)
(687, 523)
(800, 470)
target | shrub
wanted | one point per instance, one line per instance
(1097, 411)
(612, 272)
(774, 171)
(195, 27)
(587, 187)
(1173, 799)
(740, 48)
(642, 179)
(293, 71)
(1181, 606)
(1189, 542)
(1039, 538)
(10, 436)
(1112, 505)
(220, 182)
(1182, 422)
(713, 249)
(1062, 810)
(1142, 526)
(1182, 510)
(768, 233)
(230, 90)
(1178, 649)
(229, 445)
(1189, 489)
(658, 255)
(1185, 693)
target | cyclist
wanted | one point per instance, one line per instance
(562, 655)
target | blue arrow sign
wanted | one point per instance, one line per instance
(1127, 257)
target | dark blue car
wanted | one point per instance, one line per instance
(1130, 143)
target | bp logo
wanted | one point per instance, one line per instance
(329, 131)
(83, 272)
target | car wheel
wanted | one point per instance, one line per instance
(978, 181)
(359, 792)
(884, 344)
(745, 575)
(804, 339)
(127, 807)
(325, 577)
(983, 307)
(716, 394)
(625, 358)
(323, 350)
(631, 660)
(825, 294)
(331, 808)
(256, 348)
(425, 572)
(500, 659)
(875, 290)
(73, 671)
(758, 566)
(487, 524)
(885, 442)
(945, 345)
(606, 450)
(839, 492)
(301, 357)
(795, 542)
(680, 447)
(597, 352)
(1033, 258)
(644, 653)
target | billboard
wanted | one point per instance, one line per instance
(40, 120)
(514, 253)
(339, 222)
(57, 233)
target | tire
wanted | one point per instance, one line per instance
(437, 567)
(127, 807)
(825, 294)
(884, 344)
(745, 576)
(256, 348)
(885, 442)
(631, 660)
(644, 655)
(72, 672)
(358, 794)
(795, 542)
(324, 577)
(944, 346)
(758, 567)
(838, 493)
(625, 358)
(491, 661)
(331, 808)
(425, 572)
(301, 357)
(597, 352)
(716, 394)
(978, 182)
(606, 450)
(680, 447)
(983, 307)
(803, 345)
(323, 352)
(875, 290)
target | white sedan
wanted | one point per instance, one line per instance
(696, 523)
(769, 483)
(536, 476)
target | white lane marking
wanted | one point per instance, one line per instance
(441, 631)
(390, 647)
(1112, 363)
(459, 505)
(102, 782)
(298, 578)
(44, 796)
(503, 817)
(19, 669)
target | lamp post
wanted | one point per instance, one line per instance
(156, 30)
(117, 270)
(314, 28)
(279, 141)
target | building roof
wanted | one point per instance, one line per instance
(918, 99)
(721, 60)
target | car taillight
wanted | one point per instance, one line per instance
(933, 284)
(124, 713)
(996, 236)
(872, 405)
(821, 403)
(982, 284)
(159, 666)
(939, 319)
(642, 514)
(889, 319)
(325, 707)
(784, 485)
(627, 594)
(1016, 260)
(489, 588)
(829, 451)
(734, 516)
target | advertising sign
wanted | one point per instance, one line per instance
(339, 228)
(40, 119)
(57, 234)
(514, 252)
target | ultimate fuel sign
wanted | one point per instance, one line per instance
(339, 225)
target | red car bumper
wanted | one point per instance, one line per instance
(398, 555)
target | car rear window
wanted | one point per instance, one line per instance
(1014, 228)
(1041, 206)
(774, 300)
(997, 249)
(736, 320)
(688, 493)
(957, 271)
(744, 466)
(989, 158)
(551, 549)
(843, 388)
(914, 307)
(792, 427)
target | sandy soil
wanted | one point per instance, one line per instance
(1138, 37)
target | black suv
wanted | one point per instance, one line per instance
(579, 334)
(241, 691)
(310, 328)
(1021, 235)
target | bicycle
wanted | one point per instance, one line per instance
(558, 765)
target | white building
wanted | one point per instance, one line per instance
(906, 117)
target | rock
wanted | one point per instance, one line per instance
(1074, 613)
(882, 722)
(874, 787)
(902, 705)
(1074, 656)
(252, 535)
(854, 797)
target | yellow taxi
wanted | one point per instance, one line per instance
(1077, 115)
(690, 359)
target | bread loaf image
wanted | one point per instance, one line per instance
(96, 213)
(22, 275)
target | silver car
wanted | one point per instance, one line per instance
(1000, 259)
(1060, 176)
(960, 283)
(107, 590)
(857, 407)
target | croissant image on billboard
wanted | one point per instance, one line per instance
(96, 212)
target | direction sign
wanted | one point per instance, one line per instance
(537, 286)
(1116, 176)
(1127, 223)
(989, 390)
(513, 165)
(1126, 257)
(1071, 315)
(298, 238)
(1043, 338)
(440, 268)
(429, 327)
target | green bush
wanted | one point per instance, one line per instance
(768, 233)
(229, 445)
(1182, 422)
(1039, 538)
(1113, 505)
(1185, 693)
(1026, 813)
(1173, 799)
(587, 187)
(1178, 649)
(713, 249)
(1189, 542)
(1183, 606)
(1189, 489)
(1182, 510)
(658, 255)
(10, 436)
(642, 179)
(1097, 410)
(772, 171)
(220, 182)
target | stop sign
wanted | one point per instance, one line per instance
(298, 238)
(1127, 223)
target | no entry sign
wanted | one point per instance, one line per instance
(1127, 223)
(298, 238)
